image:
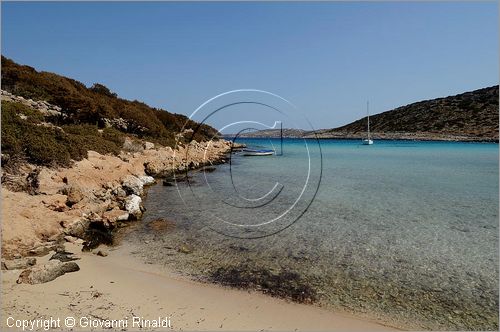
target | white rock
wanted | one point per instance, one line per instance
(132, 185)
(149, 145)
(123, 217)
(133, 205)
(147, 179)
(70, 238)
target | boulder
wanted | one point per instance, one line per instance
(43, 249)
(64, 256)
(119, 192)
(101, 253)
(70, 239)
(147, 180)
(133, 205)
(18, 264)
(48, 272)
(152, 168)
(74, 194)
(132, 185)
(149, 146)
(116, 215)
(77, 227)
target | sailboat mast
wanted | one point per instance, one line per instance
(368, 117)
(281, 136)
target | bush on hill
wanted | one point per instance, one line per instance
(95, 104)
(44, 144)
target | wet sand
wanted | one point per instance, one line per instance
(119, 287)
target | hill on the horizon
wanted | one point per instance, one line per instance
(467, 116)
(473, 114)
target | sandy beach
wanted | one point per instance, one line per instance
(119, 287)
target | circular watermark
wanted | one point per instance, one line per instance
(268, 181)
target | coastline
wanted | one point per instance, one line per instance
(112, 284)
(419, 137)
(101, 189)
(119, 286)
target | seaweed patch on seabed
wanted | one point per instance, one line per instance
(285, 284)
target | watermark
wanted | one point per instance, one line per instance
(260, 197)
(88, 322)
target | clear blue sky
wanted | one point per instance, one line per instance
(327, 58)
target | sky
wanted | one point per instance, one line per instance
(327, 58)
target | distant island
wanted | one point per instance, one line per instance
(469, 116)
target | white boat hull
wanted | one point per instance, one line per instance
(258, 153)
(367, 142)
(251, 152)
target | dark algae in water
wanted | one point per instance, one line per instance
(285, 284)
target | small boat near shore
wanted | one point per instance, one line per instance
(252, 152)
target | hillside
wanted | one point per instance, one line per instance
(290, 133)
(96, 105)
(470, 116)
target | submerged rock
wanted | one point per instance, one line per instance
(45, 273)
(185, 249)
(209, 169)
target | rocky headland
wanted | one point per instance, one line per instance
(45, 206)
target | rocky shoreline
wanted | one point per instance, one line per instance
(88, 202)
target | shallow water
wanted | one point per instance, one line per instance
(405, 230)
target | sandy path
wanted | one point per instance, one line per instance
(119, 286)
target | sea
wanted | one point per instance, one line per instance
(401, 231)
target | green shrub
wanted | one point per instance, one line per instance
(18, 108)
(50, 146)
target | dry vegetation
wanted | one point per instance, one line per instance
(57, 140)
(472, 114)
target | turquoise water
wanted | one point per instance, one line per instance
(403, 230)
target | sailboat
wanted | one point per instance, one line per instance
(368, 140)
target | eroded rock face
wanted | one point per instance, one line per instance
(47, 272)
(133, 205)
